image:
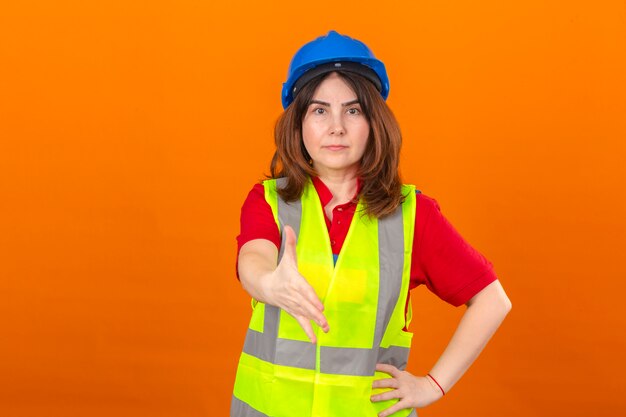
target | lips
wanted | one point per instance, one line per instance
(335, 147)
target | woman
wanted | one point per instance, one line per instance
(331, 245)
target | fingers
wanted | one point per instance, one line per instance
(410, 391)
(310, 295)
(308, 329)
(388, 395)
(385, 383)
(396, 407)
(309, 311)
(299, 298)
(305, 323)
(388, 369)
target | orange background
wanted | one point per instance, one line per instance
(131, 133)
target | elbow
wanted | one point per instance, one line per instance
(245, 284)
(494, 297)
(503, 302)
(507, 305)
(501, 307)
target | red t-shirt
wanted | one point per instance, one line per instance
(441, 258)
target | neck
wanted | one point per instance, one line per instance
(343, 186)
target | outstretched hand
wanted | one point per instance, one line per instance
(412, 391)
(288, 289)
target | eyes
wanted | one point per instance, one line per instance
(353, 111)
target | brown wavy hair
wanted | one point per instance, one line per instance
(381, 184)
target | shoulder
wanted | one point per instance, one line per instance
(255, 209)
(426, 202)
(428, 215)
(257, 220)
(271, 183)
(256, 193)
(423, 202)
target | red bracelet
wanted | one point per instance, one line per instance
(431, 377)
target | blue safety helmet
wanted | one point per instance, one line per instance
(333, 52)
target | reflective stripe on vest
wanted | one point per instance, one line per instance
(281, 373)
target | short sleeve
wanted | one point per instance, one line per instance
(442, 260)
(257, 220)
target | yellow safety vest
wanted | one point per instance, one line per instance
(281, 373)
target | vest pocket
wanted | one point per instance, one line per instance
(404, 339)
(258, 316)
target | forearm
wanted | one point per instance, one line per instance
(257, 259)
(484, 314)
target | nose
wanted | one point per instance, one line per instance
(337, 127)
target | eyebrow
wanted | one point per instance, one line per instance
(347, 103)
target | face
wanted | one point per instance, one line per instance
(334, 128)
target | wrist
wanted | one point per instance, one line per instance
(436, 386)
